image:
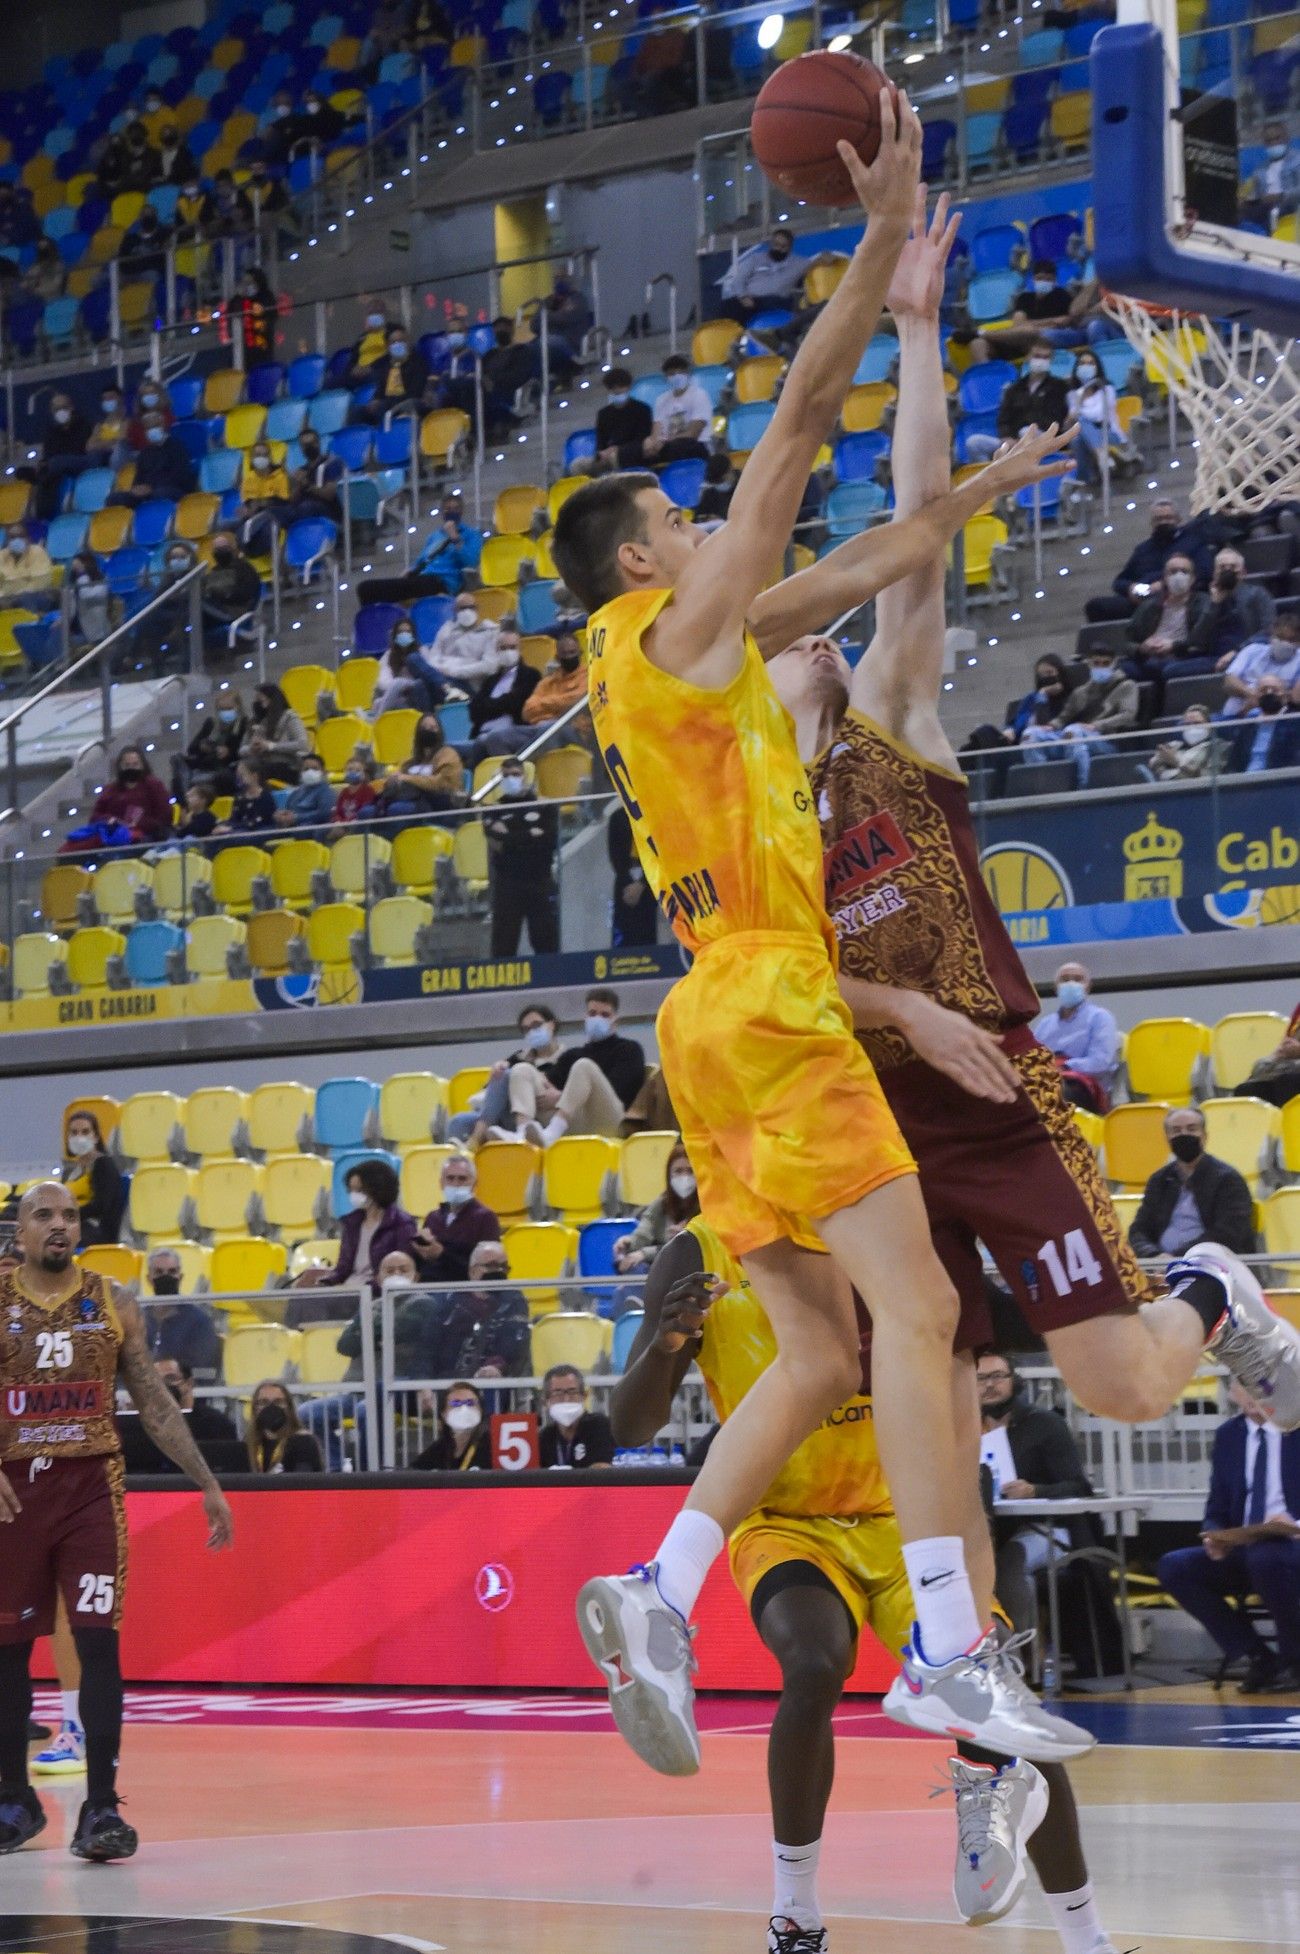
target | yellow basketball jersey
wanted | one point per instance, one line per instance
(712, 782)
(837, 1471)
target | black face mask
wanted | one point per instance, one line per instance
(130, 773)
(1271, 702)
(569, 661)
(1187, 1147)
(223, 554)
(1164, 532)
(271, 1419)
(1228, 580)
(165, 1285)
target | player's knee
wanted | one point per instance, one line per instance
(814, 1677)
(928, 1309)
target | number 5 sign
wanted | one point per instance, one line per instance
(514, 1441)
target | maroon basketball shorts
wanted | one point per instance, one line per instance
(69, 1539)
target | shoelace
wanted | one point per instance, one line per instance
(977, 1807)
(683, 1633)
(798, 1940)
(1005, 1666)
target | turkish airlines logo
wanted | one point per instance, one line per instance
(875, 847)
(494, 1588)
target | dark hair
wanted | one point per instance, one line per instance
(293, 1425)
(186, 1370)
(590, 529)
(600, 996)
(461, 1384)
(82, 1112)
(377, 1179)
(427, 739)
(618, 376)
(1044, 267)
(1056, 662)
(562, 1370)
(205, 788)
(255, 766)
(1041, 346)
(677, 363)
(132, 748)
(276, 703)
(539, 1011)
(783, 230)
(676, 1209)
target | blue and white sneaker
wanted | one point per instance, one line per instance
(642, 1647)
(64, 1756)
(983, 1697)
(999, 1808)
(1259, 1347)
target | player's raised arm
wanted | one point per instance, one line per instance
(162, 1418)
(676, 1298)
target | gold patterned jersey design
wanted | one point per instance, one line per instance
(58, 1369)
(903, 886)
(712, 783)
(835, 1473)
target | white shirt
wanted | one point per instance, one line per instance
(1274, 1500)
(674, 412)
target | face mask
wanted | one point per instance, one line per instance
(1187, 1147)
(456, 1197)
(356, 1199)
(1195, 734)
(310, 451)
(1048, 685)
(463, 1417)
(272, 1418)
(149, 399)
(509, 652)
(354, 777)
(537, 1038)
(497, 1273)
(569, 660)
(392, 1283)
(130, 773)
(1043, 286)
(223, 553)
(1270, 702)
(259, 705)
(1229, 577)
(512, 786)
(312, 776)
(467, 617)
(313, 108)
(1040, 366)
(157, 435)
(1101, 674)
(397, 349)
(166, 1285)
(1070, 994)
(1276, 151)
(1086, 373)
(618, 398)
(682, 1185)
(176, 564)
(63, 415)
(598, 1027)
(250, 291)
(17, 544)
(1281, 651)
(680, 382)
(1164, 532)
(405, 639)
(565, 1415)
(778, 253)
(80, 1144)
(110, 409)
(1179, 582)
(262, 463)
(192, 192)
(376, 322)
(281, 110)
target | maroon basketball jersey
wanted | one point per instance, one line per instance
(58, 1369)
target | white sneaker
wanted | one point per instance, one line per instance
(999, 1808)
(643, 1649)
(505, 1134)
(982, 1696)
(64, 1755)
(1258, 1346)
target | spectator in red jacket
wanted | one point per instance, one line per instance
(457, 1225)
(358, 793)
(136, 797)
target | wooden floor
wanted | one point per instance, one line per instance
(508, 1840)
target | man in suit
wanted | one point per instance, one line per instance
(1193, 1198)
(1250, 1544)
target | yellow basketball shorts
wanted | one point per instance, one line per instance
(862, 1558)
(779, 1106)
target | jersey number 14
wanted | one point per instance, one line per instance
(1079, 1264)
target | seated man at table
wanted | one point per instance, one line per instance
(1250, 1544)
(572, 1436)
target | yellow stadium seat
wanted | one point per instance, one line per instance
(89, 952)
(496, 604)
(469, 855)
(757, 379)
(442, 432)
(422, 1176)
(222, 390)
(107, 1111)
(109, 530)
(466, 51)
(1244, 1132)
(125, 208)
(355, 683)
(196, 514)
(643, 1167)
(34, 952)
(233, 875)
(175, 878)
(1134, 1143)
(162, 1199)
(277, 1117)
(981, 536)
(81, 281)
(15, 500)
(1071, 120)
(1290, 1147)
(194, 1260)
(295, 1194)
(114, 1260)
(504, 557)
(516, 507)
(62, 887)
(412, 1108)
(256, 1351)
(577, 1172)
(537, 649)
(226, 52)
(117, 885)
(561, 491)
(713, 341)
(293, 864)
(338, 738)
(1091, 1125)
(1126, 1206)
(320, 1253)
(462, 1086)
(152, 1126)
(507, 1173)
(249, 1263)
(208, 942)
(214, 1116)
(354, 861)
(988, 95)
(821, 282)
(488, 771)
(867, 406)
(1239, 1041)
(1287, 1304)
(394, 927)
(563, 772)
(135, 304)
(105, 245)
(416, 853)
(796, 38)
(330, 930)
(541, 1251)
(394, 736)
(320, 1360)
(1281, 1221)
(302, 686)
(570, 1337)
(225, 1195)
(1164, 1057)
(244, 425)
(270, 932)
(344, 52)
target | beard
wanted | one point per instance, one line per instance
(997, 1407)
(56, 1260)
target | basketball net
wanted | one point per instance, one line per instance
(1240, 394)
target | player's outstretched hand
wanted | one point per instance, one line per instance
(1033, 458)
(965, 1052)
(681, 1320)
(221, 1521)
(916, 289)
(9, 1504)
(886, 188)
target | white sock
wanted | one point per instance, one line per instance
(690, 1547)
(71, 1707)
(942, 1598)
(555, 1129)
(1076, 1920)
(794, 1892)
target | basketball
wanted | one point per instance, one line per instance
(804, 109)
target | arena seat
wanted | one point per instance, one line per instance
(234, 873)
(115, 1261)
(643, 1167)
(538, 1251)
(254, 1351)
(247, 1263)
(507, 1177)
(758, 378)
(338, 738)
(330, 930)
(563, 772)
(463, 1084)
(713, 341)
(1289, 1150)
(1280, 1221)
(570, 1337)
(578, 1173)
(214, 1117)
(355, 683)
(62, 887)
(320, 1360)
(1165, 1058)
(294, 865)
(226, 1196)
(161, 1202)
(412, 1108)
(209, 941)
(866, 407)
(1239, 1041)
(269, 936)
(295, 1195)
(421, 1176)
(1245, 1133)
(469, 856)
(624, 1336)
(279, 1115)
(90, 952)
(302, 686)
(151, 1126)
(346, 1114)
(1134, 1144)
(415, 856)
(393, 736)
(176, 877)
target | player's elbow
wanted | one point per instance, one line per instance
(634, 1422)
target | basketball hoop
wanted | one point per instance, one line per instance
(1240, 393)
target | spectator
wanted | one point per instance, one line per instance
(465, 651)
(560, 688)
(1084, 1039)
(253, 311)
(141, 164)
(492, 1117)
(568, 317)
(682, 416)
(136, 797)
(232, 590)
(768, 275)
(174, 1329)
(276, 1439)
(449, 560)
(587, 1090)
(373, 343)
(634, 919)
(401, 380)
(311, 803)
(1036, 399)
(1043, 302)
(572, 1436)
(208, 1426)
(1146, 562)
(1094, 405)
(176, 164)
(1106, 703)
(431, 782)
(665, 1217)
(1250, 1544)
(454, 1229)
(1277, 1077)
(374, 1226)
(1193, 753)
(720, 481)
(1193, 1197)
(1162, 626)
(163, 469)
(144, 248)
(1044, 700)
(358, 793)
(63, 453)
(1275, 187)
(1276, 658)
(277, 127)
(212, 753)
(481, 1331)
(1238, 612)
(497, 704)
(226, 211)
(623, 426)
(91, 1172)
(47, 275)
(464, 1442)
(314, 484)
(19, 224)
(522, 835)
(93, 604)
(254, 803)
(200, 823)
(397, 1275)
(163, 635)
(272, 210)
(319, 124)
(154, 114)
(151, 398)
(187, 218)
(509, 365)
(107, 441)
(406, 679)
(278, 739)
(27, 581)
(264, 498)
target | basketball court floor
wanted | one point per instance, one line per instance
(279, 1823)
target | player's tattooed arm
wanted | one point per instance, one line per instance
(162, 1419)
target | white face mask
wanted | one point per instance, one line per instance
(680, 382)
(682, 1185)
(391, 1283)
(1179, 582)
(463, 1417)
(1086, 373)
(598, 1027)
(81, 1143)
(513, 785)
(467, 617)
(537, 1037)
(1040, 366)
(456, 1197)
(1195, 734)
(356, 1199)
(312, 776)
(565, 1414)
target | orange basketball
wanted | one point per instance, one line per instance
(804, 109)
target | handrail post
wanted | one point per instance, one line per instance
(478, 442)
(171, 285)
(347, 524)
(114, 302)
(196, 627)
(106, 694)
(275, 576)
(593, 268)
(11, 740)
(545, 318)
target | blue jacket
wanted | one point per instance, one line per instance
(1226, 1504)
(449, 557)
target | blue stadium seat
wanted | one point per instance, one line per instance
(1022, 128)
(714, 379)
(746, 425)
(877, 360)
(937, 139)
(980, 388)
(580, 446)
(1042, 49)
(164, 197)
(66, 536)
(186, 392)
(537, 607)
(147, 948)
(968, 425)
(993, 295)
(681, 482)
(307, 543)
(1049, 237)
(153, 522)
(351, 446)
(91, 490)
(373, 628)
(626, 1327)
(284, 420)
(997, 247)
(220, 470)
(1117, 360)
(195, 437)
(454, 717)
(856, 456)
(392, 444)
(850, 505)
(126, 569)
(306, 376)
(329, 412)
(428, 615)
(983, 139)
(649, 388)
(346, 1111)
(263, 383)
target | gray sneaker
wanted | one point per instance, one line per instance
(1259, 1347)
(999, 1808)
(983, 1697)
(643, 1649)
